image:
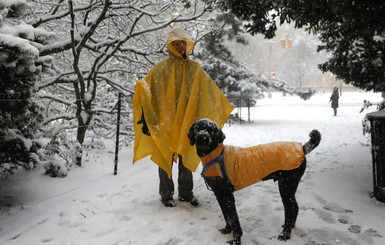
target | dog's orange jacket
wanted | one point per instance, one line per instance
(247, 166)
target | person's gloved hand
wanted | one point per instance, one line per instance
(145, 129)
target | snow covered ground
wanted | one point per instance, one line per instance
(93, 206)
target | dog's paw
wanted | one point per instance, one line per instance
(236, 241)
(169, 203)
(225, 230)
(285, 235)
(193, 201)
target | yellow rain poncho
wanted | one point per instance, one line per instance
(175, 93)
(247, 166)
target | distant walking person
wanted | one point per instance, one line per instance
(334, 99)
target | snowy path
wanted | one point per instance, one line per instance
(92, 206)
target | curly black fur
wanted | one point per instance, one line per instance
(207, 135)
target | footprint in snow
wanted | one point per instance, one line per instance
(325, 216)
(335, 207)
(320, 199)
(251, 223)
(328, 236)
(372, 233)
(173, 241)
(355, 229)
(343, 219)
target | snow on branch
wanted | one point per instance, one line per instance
(304, 93)
(56, 117)
(56, 47)
(66, 77)
(8, 40)
(53, 15)
(117, 86)
(100, 48)
(55, 98)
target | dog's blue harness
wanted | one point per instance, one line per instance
(212, 162)
(219, 160)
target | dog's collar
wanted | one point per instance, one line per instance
(212, 155)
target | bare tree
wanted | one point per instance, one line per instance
(101, 47)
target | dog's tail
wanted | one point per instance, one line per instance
(315, 139)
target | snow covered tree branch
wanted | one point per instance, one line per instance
(20, 114)
(100, 48)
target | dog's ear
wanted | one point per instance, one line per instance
(192, 141)
(216, 133)
(191, 133)
(219, 136)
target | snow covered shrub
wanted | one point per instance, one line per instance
(55, 169)
(20, 114)
(95, 143)
(365, 121)
(60, 155)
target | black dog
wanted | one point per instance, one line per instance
(208, 138)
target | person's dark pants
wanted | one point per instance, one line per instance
(225, 197)
(185, 184)
(335, 111)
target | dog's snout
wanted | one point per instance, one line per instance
(203, 137)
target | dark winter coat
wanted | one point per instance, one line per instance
(334, 99)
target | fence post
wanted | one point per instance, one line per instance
(117, 136)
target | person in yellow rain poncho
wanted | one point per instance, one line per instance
(175, 93)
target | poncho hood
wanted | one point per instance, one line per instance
(176, 34)
(174, 94)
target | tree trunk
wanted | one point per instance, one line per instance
(80, 138)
